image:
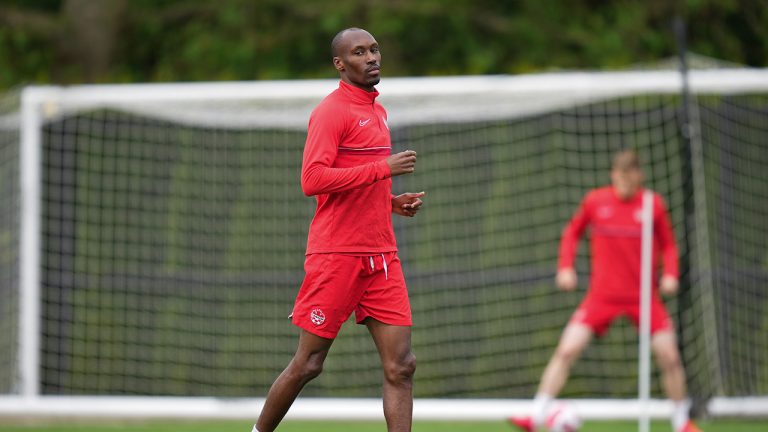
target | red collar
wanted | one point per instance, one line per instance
(357, 94)
(637, 195)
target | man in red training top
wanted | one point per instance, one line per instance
(613, 214)
(351, 263)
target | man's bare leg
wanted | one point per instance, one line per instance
(306, 364)
(399, 364)
(574, 339)
(664, 344)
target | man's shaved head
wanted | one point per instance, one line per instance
(357, 57)
(339, 38)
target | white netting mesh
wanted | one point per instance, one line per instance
(9, 241)
(174, 231)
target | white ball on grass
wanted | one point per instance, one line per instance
(563, 418)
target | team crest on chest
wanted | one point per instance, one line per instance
(604, 212)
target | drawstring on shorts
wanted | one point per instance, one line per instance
(384, 264)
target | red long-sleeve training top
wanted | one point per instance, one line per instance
(615, 243)
(345, 168)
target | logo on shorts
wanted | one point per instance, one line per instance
(317, 316)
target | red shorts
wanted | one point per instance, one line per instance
(335, 285)
(598, 314)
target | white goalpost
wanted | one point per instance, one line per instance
(646, 271)
(29, 259)
(155, 234)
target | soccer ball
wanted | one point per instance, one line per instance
(563, 418)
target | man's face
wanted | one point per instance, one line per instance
(359, 59)
(626, 182)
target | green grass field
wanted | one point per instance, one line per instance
(297, 426)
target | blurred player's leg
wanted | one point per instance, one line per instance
(399, 364)
(574, 339)
(306, 364)
(664, 345)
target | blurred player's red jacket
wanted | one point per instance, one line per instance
(615, 236)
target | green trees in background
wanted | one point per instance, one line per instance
(76, 41)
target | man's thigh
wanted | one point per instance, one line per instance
(330, 292)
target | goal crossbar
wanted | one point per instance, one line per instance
(410, 100)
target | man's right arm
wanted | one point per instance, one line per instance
(402, 163)
(318, 176)
(569, 242)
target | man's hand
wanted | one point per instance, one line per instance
(669, 285)
(566, 279)
(402, 163)
(407, 204)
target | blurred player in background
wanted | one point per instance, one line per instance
(351, 262)
(613, 214)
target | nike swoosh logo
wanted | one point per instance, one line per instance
(364, 122)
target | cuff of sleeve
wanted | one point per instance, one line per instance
(382, 169)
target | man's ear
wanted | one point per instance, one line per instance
(338, 64)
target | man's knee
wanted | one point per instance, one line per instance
(402, 370)
(574, 339)
(668, 358)
(309, 368)
(314, 367)
(568, 353)
(666, 352)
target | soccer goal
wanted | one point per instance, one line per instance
(152, 241)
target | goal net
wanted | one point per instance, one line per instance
(167, 240)
(10, 212)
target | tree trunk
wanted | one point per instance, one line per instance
(92, 30)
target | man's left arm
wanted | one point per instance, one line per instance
(407, 204)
